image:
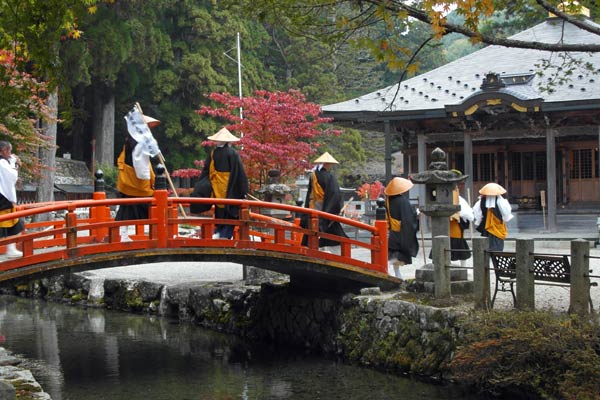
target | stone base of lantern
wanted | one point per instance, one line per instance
(459, 280)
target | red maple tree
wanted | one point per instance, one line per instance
(277, 131)
(370, 191)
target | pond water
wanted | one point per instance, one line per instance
(77, 353)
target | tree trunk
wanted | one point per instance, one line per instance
(79, 141)
(104, 128)
(45, 184)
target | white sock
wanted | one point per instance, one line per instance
(11, 250)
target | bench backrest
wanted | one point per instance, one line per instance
(505, 264)
(545, 268)
(552, 268)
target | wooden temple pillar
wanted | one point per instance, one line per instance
(388, 151)
(598, 172)
(468, 155)
(551, 178)
(422, 161)
(565, 176)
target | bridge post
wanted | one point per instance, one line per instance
(244, 233)
(99, 214)
(525, 280)
(580, 277)
(173, 214)
(161, 195)
(297, 236)
(481, 273)
(380, 257)
(313, 239)
(71, 225)
(244, 230)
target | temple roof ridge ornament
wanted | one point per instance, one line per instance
(492, 82)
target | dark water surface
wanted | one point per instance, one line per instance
(90, 354)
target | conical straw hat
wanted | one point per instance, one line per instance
(151, 122)
(326, 158)
(223, 136)
(398, 186)
(492, 189)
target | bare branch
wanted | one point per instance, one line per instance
(397, 6)
(566, 17)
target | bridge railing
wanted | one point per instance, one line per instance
(87, 227)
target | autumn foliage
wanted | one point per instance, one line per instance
(370, 191)
(278, 131)
(22, 105)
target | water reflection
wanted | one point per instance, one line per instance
(94, 354)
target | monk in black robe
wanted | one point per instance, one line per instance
(324, 194)
(228, 179)
(402, 224)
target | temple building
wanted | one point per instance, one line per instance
(502, 115)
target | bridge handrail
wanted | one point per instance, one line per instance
(71, 205)
(276, 206)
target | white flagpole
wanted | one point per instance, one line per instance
(239, 64)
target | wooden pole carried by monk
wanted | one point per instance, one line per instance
(161, 159)
(469, 201)
(421, 229)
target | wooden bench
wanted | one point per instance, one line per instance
(555, 269)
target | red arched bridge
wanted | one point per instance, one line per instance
(85, 237)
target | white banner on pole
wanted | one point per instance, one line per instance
(138, 129)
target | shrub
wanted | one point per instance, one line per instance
(526, 354)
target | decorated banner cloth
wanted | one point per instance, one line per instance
(139, 131)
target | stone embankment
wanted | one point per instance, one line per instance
(375, 329)
(15, 380)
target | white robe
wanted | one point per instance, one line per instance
(490, 202)
(8, 179)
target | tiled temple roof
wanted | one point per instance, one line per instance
(453, 83)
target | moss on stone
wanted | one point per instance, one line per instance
(25, 390)
(77, 297)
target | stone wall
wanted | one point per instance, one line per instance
(373, 329)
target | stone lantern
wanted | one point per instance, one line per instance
(275, 192)
(439, 205)
(439, 183)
